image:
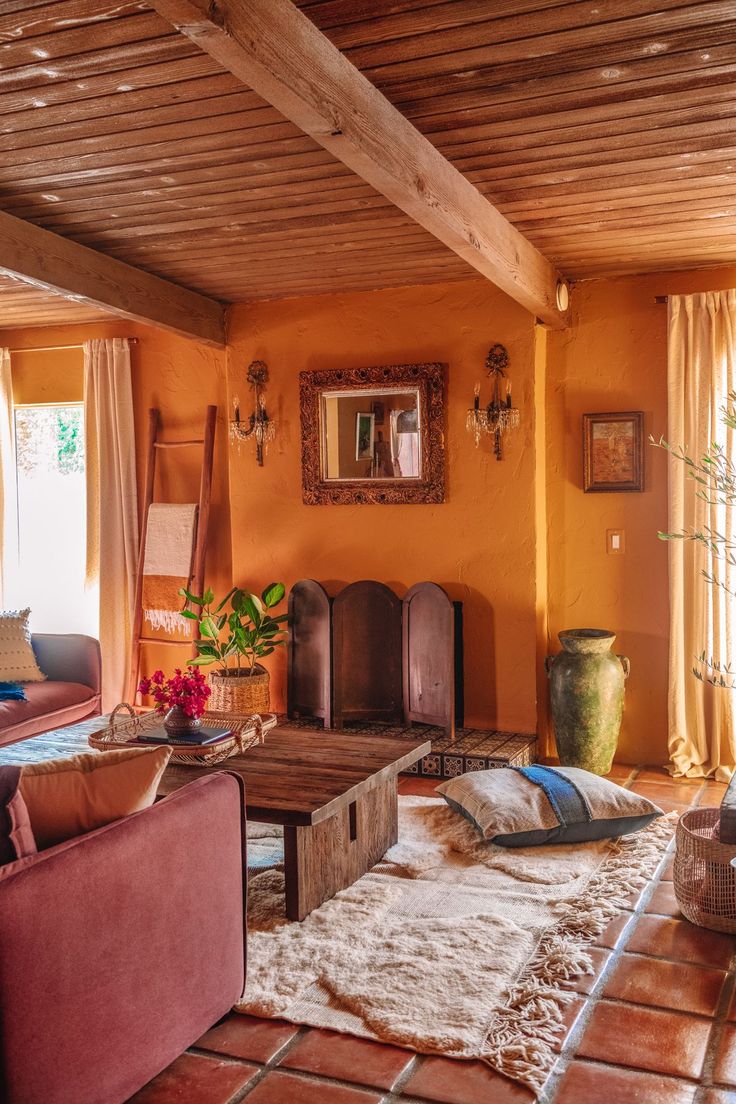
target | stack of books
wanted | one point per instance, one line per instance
(199, 738)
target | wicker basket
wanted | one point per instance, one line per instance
(705, 881)
(240, 693)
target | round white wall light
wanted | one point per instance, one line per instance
(563, 295)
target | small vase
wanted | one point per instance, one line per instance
(180, 724)
(587, 698)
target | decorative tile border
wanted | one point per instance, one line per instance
(431, 766)
(473, 764)
(472, 749)
(452, 766)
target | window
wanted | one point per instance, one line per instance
(50, 468)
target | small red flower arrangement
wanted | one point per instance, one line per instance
(189, 691)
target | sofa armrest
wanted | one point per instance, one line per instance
(69, 657)
(120, 948)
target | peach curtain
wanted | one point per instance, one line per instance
(701, 372)
(112, 503)
(8, 484)
(8, 495)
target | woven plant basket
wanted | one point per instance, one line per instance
(705, 881)
(240, 693)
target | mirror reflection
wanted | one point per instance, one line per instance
(371, 434)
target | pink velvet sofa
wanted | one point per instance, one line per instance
(120, 948)
(70, 692)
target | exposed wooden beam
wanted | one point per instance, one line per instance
(279, 53)
(49, 261)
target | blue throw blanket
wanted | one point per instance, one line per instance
(12, 691)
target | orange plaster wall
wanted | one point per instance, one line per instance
(178, 376)
(518, 542)
(479, 544)
(614, 357)
(48, 376)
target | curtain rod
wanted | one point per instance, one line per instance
(58, 348)
(661, 298)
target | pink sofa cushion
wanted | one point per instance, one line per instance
(49, 705)
(43, 697)
(70, 657)
(16, 835)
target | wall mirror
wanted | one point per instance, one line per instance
(373, 435)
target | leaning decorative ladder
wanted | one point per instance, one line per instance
(196, 581)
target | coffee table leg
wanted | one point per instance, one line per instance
(324, 858)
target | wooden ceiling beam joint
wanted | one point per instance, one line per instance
(278, 52)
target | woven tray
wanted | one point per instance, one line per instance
(246, 730)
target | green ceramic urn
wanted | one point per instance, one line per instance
(587, 696)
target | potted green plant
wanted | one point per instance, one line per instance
(235, 641)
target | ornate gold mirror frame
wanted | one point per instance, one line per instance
(429, 381)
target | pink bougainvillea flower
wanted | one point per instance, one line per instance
(189, 691)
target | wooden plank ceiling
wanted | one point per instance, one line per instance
(603, 131)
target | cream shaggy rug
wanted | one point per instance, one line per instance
(450, 945)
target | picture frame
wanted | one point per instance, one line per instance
(365, 433)
(613, 452)
(379, 409)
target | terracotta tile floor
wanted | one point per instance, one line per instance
(655, 1023)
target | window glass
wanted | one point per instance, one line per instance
(50, 467)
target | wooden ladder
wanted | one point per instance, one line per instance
(196, 581)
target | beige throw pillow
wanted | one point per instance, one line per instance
(68, 797)
(17, 661)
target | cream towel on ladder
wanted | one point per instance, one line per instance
(168, 563)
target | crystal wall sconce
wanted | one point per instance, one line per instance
(499, 416)
(258, 427)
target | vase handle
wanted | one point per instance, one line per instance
(548, 661)
(625, 663)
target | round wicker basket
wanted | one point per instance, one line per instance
(240, 693)
(705, 881)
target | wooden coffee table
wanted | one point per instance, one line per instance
(336, 795)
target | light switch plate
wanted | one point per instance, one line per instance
(615, 542)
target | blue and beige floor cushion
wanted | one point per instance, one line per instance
(529, 806)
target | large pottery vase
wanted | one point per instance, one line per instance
(587, 695)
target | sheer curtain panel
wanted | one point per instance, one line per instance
(701, 372)
(8, 496)
(112, 503)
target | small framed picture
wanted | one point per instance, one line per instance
(613, 451)
(364, 435)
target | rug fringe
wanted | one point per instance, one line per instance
(520, 1041)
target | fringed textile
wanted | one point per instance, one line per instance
(167, 566)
